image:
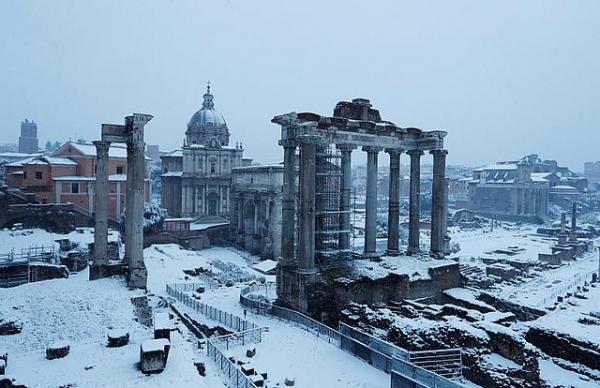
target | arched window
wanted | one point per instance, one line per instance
(213, 167)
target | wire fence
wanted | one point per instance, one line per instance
(263, 306)
(246, 332)
(372, 350)
(231, 371)
(181, 293)
(242, 338)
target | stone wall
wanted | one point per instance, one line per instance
(565, 347)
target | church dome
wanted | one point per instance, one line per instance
(207, 123)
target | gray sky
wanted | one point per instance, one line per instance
(504, 78)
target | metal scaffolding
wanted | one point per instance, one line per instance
(328, 226)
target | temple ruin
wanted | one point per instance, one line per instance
(131, 133)
(316, 207)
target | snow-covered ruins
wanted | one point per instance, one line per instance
(341, 207)
(381, 288)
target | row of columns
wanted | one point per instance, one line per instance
(306, 214)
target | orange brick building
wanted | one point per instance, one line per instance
(68, 176)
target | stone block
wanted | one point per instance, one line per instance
(162, 326)
(153, 355)
(247, 370)
(117, 338)
(10, 327)
(57, 350)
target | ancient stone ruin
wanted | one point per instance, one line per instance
(131, 133)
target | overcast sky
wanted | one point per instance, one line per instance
(504, 78)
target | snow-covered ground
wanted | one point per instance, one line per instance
(24, 239)
(82, 312)
(285, 350)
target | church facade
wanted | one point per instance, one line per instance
(196, 180)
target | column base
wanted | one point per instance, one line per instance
(413, 251)
(392, 252)
(437, 255)
(446, 245)
(305, 271)
(138, 278)
(100, 271)
(374, 256)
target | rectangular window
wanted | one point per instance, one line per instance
(24, 174)
(39, 175)
(119, 170)
(75, 188)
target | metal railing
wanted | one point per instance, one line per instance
(246, 331)
(241, 338)
(406, 374)
(307, 323)
(444, 362)
(232, 372)
(179, 292)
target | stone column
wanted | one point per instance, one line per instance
(101, 207)
(118, 203)
(306, 222)
(135, 147)
(573, 234)
(445, 238)
(58, 192)
(393, 245)
(414, 217)
(346, 187)
(129, 204)
(437, 201)
(90, 193)
(371, 203)
(256, 203)
(288, 203)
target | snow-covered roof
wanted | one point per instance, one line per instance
(176, 153)
(88, 149)
(277, 166)
(50, 160)
(19, 163)
(540, 176)
(111, 178)
(497, 167)
(265, 266)
(16, 155)
(73, 178)
(173, 173)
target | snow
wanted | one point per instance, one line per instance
(556, 375)
(205, 226)
(284, 345)
(73, 310)
(498, 361)
(565, 318)
(95, 365)
(265, 266)
(467, 295)
(416, 267)
(24, 239)
(154, 345)
(161, 321)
